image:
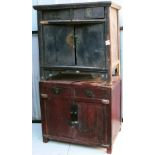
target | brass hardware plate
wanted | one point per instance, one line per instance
(89, 93)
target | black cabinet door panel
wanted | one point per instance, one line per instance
(58, 45)
(90, 45)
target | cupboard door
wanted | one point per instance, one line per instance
(90, 45)
(58, 45)
(92, 123)
(58, 117)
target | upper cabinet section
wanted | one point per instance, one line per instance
(81, 37)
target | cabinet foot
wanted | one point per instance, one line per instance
(45, 139)
(109, 150)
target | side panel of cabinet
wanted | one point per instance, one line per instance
(114, 38)
(58, 45)
(92, 118)
(116, 109)
(90, 45)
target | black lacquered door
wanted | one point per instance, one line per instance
(58, 42)
(90, 45)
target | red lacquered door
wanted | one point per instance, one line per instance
(92, 123)
(58, 116)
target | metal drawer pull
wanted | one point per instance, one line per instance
(56, 90)
(89, 93)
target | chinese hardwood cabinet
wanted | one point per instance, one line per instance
(80, 86)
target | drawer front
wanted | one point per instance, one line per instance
(56, 90)
(92, 93)
(89, 13)
(60, 91)
(56, 14)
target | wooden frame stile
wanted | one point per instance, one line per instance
(108, 47)
(118, 35)
(119, 54)
(109, 124)
(43, 102)
(40, 39)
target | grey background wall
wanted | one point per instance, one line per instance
(35, 50)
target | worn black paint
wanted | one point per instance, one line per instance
(57, 51)
(90, 45)
(81, 45)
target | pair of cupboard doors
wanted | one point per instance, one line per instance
(70, 45)
(70, 41)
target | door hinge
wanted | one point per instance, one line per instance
(105, 101)
(44, 96)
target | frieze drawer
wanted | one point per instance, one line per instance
(56, 90)
(91, 93)
(56, 15)
(89, 13)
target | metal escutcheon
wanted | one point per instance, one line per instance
(56, 90)
(89, 93)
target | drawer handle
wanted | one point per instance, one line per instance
(56, 90)
(89, 93)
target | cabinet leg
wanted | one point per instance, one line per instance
(45, 139)
(109, 150)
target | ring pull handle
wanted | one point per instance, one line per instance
(56, 90)
(89, 93)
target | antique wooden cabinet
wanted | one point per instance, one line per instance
(80, 72)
